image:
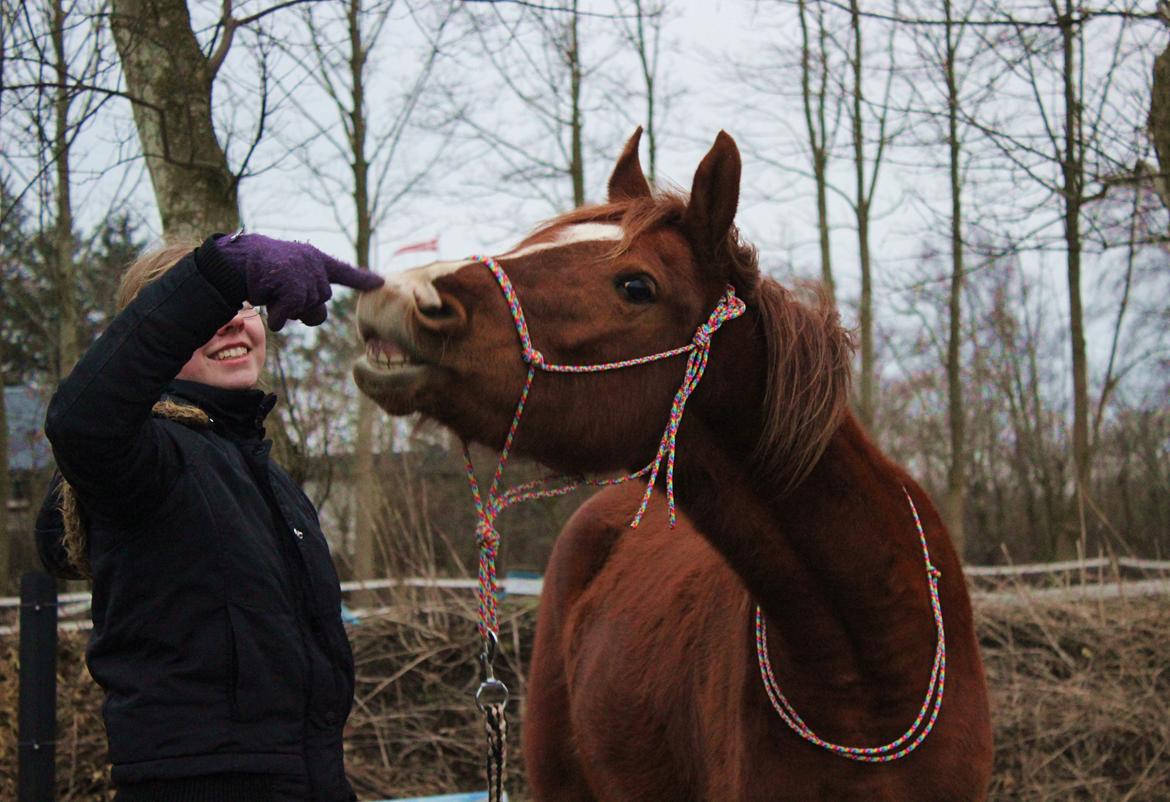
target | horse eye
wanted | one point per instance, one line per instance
(638, 289)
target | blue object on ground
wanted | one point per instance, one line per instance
(474, 796)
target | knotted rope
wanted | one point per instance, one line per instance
(488, 506)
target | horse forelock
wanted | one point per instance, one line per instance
(808, 379)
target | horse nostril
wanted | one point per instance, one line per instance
(449, 316)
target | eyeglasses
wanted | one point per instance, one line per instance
(247, 310)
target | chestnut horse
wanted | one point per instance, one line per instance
(645, 681)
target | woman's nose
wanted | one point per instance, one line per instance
(235, 323)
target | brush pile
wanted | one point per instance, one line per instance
(1080, 694)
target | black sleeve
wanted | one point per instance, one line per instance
(49, 534)
(119, 464)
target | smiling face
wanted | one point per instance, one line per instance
(233, 358)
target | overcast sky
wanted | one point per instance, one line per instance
(470, 210)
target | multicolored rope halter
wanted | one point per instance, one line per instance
(927, 715)
(492, 695)
(489, 506)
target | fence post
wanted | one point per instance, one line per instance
(38, 689)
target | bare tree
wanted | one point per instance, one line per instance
(944, 104)
(55, 90)
(63, 266)
(383, 167)
(867, 165)
(814, 93)
(538, 57)
(799, 79)
(6, 15)
(1160, 112)
(643, 31)
(1072, 166)
(956, 416)
(170, 81)
(1066, 61)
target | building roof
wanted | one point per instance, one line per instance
(28, 450)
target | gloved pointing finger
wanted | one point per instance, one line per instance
(341, 273)
(291, 278)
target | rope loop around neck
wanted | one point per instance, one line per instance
(923, 723)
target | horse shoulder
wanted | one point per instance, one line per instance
(551, 739)
(585, 545)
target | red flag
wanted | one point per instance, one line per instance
(415, 247)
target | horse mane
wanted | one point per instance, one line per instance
(809, 354)
(809, 351)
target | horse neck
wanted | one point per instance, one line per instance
(835, 564)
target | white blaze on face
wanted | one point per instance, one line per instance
(420, 282)
(570, 235)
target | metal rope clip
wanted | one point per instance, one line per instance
(491, 691)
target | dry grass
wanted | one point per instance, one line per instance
(1080, 692)
(414, 728)
(1081, 700)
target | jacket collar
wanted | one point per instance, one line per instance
(238, 414)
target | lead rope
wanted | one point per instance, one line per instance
(930, 705)
(492, 695)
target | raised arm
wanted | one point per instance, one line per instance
(99, 419)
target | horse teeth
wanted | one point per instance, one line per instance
(376, 353)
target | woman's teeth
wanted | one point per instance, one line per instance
(230, 353)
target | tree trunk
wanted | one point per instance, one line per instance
(171, 81)
(6, 538)
(649, 63)
(64, 278)
(815, 126)
(577, 124)
(866, 402)
(1160, 122)
(1072, 173)
(957, 470)
(367, 498)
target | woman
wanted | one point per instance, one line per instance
(217, 635)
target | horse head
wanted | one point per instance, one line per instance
(634, 276)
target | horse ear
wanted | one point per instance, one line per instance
(627, 181)
(714, 197)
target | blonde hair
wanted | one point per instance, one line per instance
(151, 264)
(147, 268)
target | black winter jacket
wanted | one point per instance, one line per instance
(217, 634)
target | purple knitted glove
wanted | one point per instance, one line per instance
(291, 279)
